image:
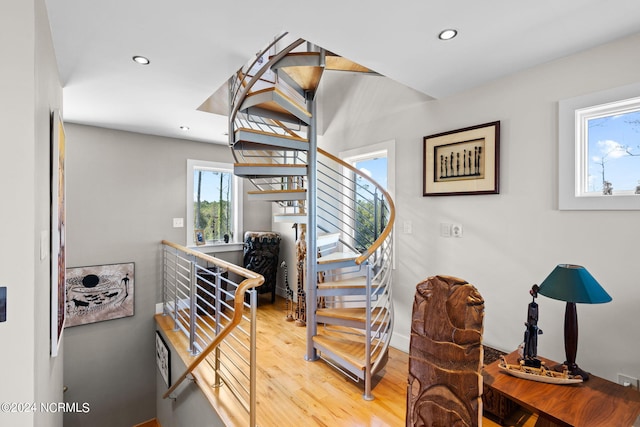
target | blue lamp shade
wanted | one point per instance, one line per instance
(573, 283)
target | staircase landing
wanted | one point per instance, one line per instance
(294, 392)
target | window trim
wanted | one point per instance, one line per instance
(237, 194)
(572, 114)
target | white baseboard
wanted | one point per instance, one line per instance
(400, 342)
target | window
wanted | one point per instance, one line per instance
(611, 142)
(214, 202)
(370, 217)
(599, 150)
(377, 161)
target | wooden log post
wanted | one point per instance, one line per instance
(445, 357)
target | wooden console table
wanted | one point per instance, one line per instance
(596, 402)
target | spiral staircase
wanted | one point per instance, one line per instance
(346, 217)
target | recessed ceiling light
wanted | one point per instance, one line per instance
(184, 128)
(447, 34)
(141, 60)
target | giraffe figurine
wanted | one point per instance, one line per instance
(289, 297)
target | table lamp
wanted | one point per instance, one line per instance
(573, 284)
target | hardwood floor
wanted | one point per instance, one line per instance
(294, 392)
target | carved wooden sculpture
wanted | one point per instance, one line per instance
(261, 252)
(301, 257)
(445, 358)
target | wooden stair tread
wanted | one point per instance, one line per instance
(338, 63)
(353, 282)
(273, 106)
(334, 62)
(307, 77)
(351, 313)
(337, 257)
(350, 349)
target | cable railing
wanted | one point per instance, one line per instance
(217, 314)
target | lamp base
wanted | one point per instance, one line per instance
(573, 369)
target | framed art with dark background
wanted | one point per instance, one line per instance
(463, 161)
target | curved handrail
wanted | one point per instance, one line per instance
(252, 280)
(258, 56)
(392, 210)
(276, 58)
(216, 261)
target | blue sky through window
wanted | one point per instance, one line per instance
(375, 168)
(210, 190)
(614, 152)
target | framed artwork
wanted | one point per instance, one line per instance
(462, 162)
(58, 265)
(198, 237)
(163, 359)
(99, 292)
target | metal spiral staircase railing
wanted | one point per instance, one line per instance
(348, 216)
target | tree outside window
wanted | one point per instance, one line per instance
(213, 204)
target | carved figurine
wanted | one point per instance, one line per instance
(301, 256)
(445, 358)
(530, 355)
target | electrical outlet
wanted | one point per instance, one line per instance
(628, 381)
(456, 230)
(178, 222)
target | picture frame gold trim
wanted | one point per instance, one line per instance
(462, 162)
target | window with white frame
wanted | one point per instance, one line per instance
(610, 148)
(214, 202)
(599, 150)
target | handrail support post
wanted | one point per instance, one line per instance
(193, 307)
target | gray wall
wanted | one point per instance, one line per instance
(30, 89)
(123, 189)
(514, 239)
(191, 408)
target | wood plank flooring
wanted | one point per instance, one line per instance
(293, 392)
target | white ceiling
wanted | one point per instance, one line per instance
(196, 45)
